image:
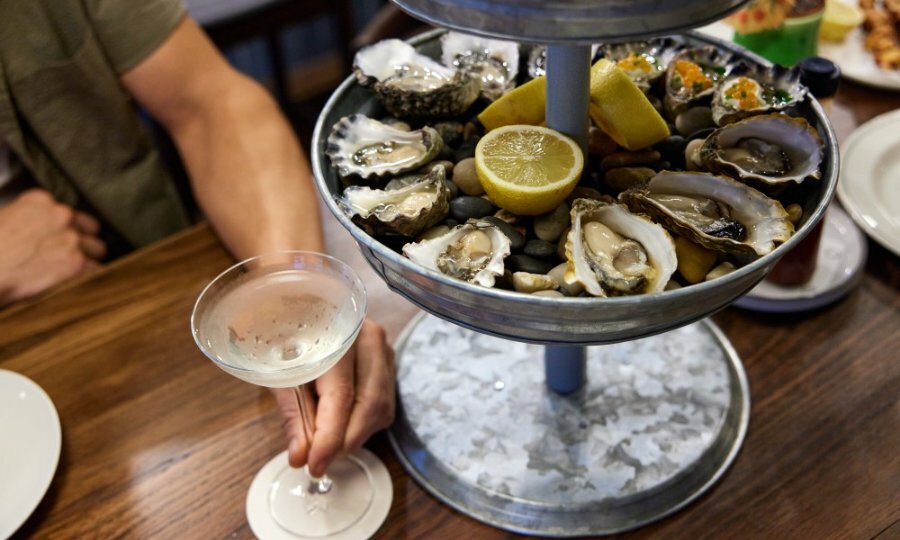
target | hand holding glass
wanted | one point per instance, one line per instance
(282, 320)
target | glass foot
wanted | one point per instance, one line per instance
(282, 504)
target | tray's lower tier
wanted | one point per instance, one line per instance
(659, 420)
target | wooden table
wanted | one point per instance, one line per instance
(159, 443)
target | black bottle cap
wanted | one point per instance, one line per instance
(821, 76)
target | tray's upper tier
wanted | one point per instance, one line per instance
(568, 21)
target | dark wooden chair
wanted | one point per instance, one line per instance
(229, 22)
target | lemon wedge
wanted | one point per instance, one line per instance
(838, 20)
(528, 170)
(622, 110)
(523, 105)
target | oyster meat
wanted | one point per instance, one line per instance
(472, 252)
(644, 61)
(611, 251)
(767, 150)
(755, 89)
(407, 206)
(692, 75)
(412, 85)
(362, 146)
(494, 62)
(714, 211)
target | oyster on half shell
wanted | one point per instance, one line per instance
(751, 90)
(644, 61)
(362, 146)
(408, 205)
(692, 75)
(494, 62)
(412, 85)
(766, 151)
(612, 251)
(472, 252)
(714, 211)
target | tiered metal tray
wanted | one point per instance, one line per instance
(657, 422)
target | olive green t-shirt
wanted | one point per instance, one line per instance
(67, 117)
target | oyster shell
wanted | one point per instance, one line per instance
(412, 85)
(407, 206)
(644, 61)
(714, 211)
(755, 89)
(766, 151)
(472, 252)
(692, 75)
(366, 147)
(609, 250)
(494, 62)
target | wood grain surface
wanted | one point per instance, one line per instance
(159, 443)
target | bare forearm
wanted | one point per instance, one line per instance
(249, 174)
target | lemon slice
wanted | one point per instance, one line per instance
(838, 19)
(528, 170)
(620, 109)
(523, 105)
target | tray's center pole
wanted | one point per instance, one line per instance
(568, 93)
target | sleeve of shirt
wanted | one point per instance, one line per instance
(129, 30)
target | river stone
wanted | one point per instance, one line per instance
(465, 151)
(627, 177)
(452, 188)
(525, 282)
(629, 159)
(434, 232)
(600, 144)
(451, 132)
(549, 293)
(540, 248)
(582, 192)
(672, 148)
(701, 134)
(525, 263)
(466, 179)
(516, 239)
(465, 208)
(558, 273)
(551, 225)
(694, 119)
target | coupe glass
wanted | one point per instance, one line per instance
(281, 320)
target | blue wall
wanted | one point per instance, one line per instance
(301, 43)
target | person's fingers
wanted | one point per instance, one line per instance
(291, 424)
(336, 394)
(85, 223)
(375, 388)
(92, 246)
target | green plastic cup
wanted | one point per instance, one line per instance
(796, 39)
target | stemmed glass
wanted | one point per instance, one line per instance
(281, 320)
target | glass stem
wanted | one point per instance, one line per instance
(305, 402)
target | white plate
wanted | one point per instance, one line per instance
(30, 441)
(858, 64)
(869, 187)
(839, 265)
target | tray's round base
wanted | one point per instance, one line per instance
(658, 422)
